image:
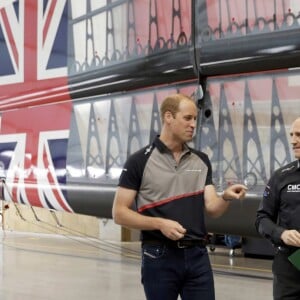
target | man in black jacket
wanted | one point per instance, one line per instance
(278, 220)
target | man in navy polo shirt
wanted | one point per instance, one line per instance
(171, 186)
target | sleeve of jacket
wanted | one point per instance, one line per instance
(267, 213)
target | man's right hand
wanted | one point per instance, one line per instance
(171, 229)
(291, 237)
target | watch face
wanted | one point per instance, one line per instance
(250, 180)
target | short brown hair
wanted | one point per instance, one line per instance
(171, 104)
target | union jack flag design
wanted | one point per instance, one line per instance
(33, 60)
(33, 42)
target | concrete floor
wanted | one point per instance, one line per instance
(43, 266)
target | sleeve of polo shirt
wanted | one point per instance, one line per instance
(131, 175)
(206, 160)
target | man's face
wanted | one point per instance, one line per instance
(184, 123)
(295, 137)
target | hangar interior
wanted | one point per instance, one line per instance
(69, 256)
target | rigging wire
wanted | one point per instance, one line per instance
(103, 245)
(75, 235)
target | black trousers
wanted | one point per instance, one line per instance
(286, 282)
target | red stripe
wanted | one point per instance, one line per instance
(19, 95)
(30, 42)
(168, 200)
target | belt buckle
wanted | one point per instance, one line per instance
(180, 245)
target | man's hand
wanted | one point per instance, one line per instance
(171, 229)
(235, 191)
(291, 237)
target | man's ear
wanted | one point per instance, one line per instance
(168, 116)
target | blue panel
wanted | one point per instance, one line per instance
(59, 52)
(58, 150)
(6, 67)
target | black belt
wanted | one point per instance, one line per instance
(181, 244)
(288, 250)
